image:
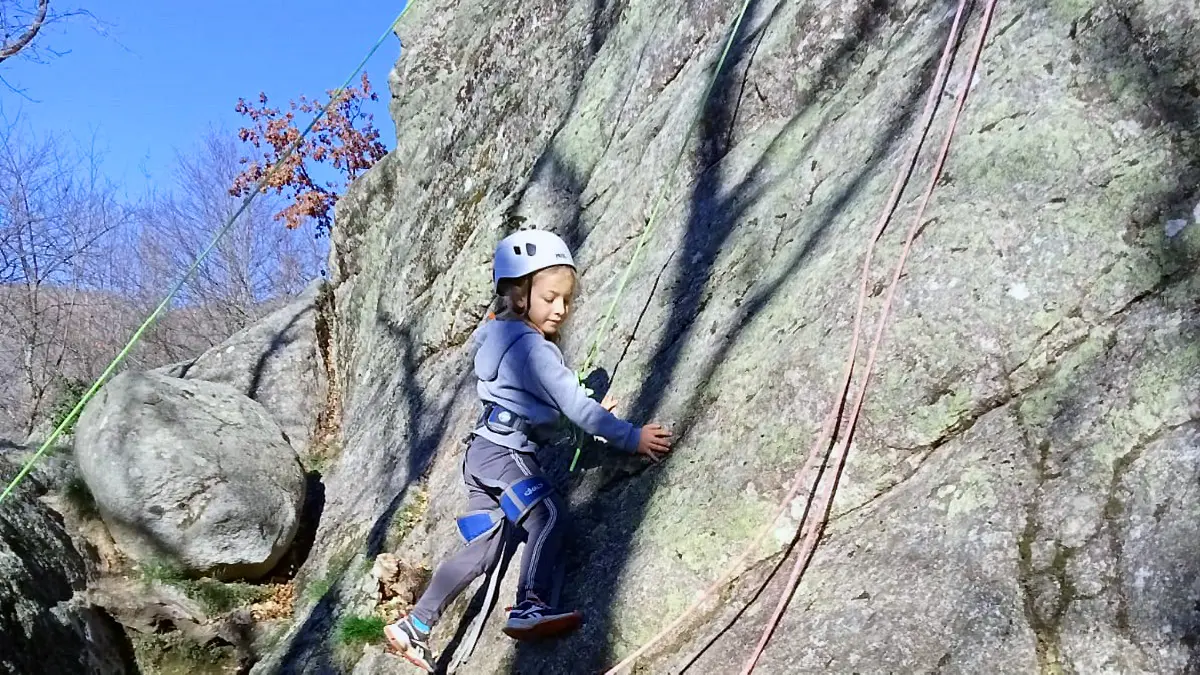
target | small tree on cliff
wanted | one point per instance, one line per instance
(345, 138)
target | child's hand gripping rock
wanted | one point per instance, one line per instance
(654, 442)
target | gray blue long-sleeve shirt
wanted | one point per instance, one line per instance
(522, 371)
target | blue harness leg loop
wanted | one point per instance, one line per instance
(475, 524)
(522, 496)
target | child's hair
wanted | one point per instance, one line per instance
(512, 295)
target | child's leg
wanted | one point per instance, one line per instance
(545, 526)
(534, 506)
(499, 468)
(455, 574)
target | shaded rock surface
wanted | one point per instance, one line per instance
(1023, 492)
(44, 626)
(276, 361)
(191, 474)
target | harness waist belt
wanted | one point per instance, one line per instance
(500, 420)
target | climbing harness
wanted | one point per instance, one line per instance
(606, 319)
(498, 419)
(166, 301)
(818, 461)
(520, 497)
(515, 502)
(475, 524)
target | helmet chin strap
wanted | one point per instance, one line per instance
(524, 313)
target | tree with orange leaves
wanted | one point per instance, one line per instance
(344, 138)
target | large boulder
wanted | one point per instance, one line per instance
(191, 474)
(276, 361)
(44, 626)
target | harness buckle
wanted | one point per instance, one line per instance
(500, 420)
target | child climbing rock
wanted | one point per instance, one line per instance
(525, 388)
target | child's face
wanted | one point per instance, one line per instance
(550, 299)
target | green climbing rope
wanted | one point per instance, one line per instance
(166, 301)
(606, 319)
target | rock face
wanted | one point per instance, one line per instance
(277, 361)
(190, 473)
(43, 627)
(1023, 492)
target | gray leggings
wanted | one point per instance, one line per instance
(487, 471)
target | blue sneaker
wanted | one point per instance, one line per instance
(533, 619)
(410, 642)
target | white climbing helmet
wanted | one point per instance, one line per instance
(526, 252)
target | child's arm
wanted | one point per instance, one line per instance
(554, 382)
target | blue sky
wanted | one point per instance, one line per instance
(166, 72)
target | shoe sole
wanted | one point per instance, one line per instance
(404, 648)
(545, 629)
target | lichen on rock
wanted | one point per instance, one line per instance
(1027, 446)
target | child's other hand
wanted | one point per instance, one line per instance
(654, 442)
(609, 403)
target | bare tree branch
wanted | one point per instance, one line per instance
(254, 264)
(56, 219)
(9, 49)
(80, 269)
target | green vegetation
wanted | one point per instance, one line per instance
(162, 571)
(354, 631)
(352, 635)
(68, 397)
(80, 496)
(171, 654)
(316, 589)
(407, 517)
(216, 597)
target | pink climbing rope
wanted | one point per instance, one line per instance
(823, 439)
(826, 497)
